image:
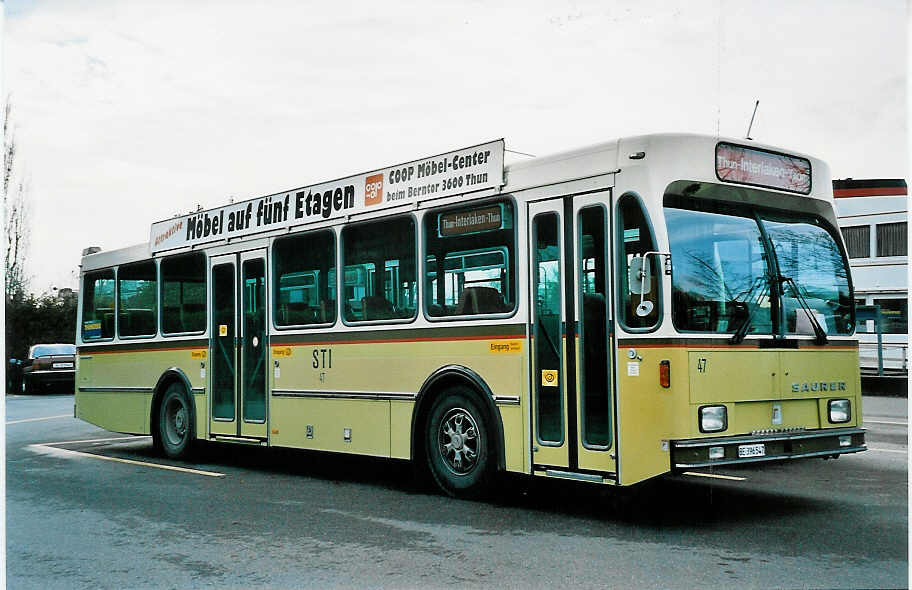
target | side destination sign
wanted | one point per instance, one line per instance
(462, 171)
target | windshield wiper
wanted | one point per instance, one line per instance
(743, 309)
(811, 314)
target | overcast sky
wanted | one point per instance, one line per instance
(128, 112)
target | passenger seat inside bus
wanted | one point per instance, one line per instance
(193, 316)
(376, 307)
(137, 322)
(107, 323)
(299, 312)
(327, 311)
(475, 300)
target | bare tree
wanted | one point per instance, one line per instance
(9, 147)
(15, 208)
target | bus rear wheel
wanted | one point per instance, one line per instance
(458, 445)
(175, 423)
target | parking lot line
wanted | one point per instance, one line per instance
(50, 448)
(40, 419)
(896, 423)
(900, 451)
(715, 476)
(92, 440)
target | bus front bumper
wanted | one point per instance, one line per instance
(729, 450)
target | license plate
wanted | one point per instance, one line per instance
(752, 450)
(62, 366)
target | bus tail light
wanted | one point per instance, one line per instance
(665, 374)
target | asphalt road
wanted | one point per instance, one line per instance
(272, 519)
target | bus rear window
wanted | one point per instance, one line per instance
(183, 294)
(98, 305)
(469, 267)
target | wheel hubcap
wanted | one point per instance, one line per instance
(458, 441)
(176, 422)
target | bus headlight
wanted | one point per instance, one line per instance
(840, 410)
(713, 419)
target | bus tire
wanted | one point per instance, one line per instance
(458, 444)
(175, 423)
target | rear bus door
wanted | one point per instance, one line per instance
(238, 345)
(594, 334)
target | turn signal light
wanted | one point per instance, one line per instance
(665, 374)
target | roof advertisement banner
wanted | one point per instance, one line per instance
(466, 170)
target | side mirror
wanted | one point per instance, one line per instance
(639, 276)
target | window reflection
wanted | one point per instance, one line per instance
(721, 270)
(720, 273)
(894, 315)
(636, 240)
(808, 255)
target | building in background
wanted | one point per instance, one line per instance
(873, 219)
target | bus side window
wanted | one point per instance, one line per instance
(469, 263)
(305, 279)
(379, 260)
(137, 293)
(635, 239)
(183, 293)
(98, 305)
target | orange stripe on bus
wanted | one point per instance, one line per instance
(170, 349)
(841, 193)
(696, 344)
(398, 340)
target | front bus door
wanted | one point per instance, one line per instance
(238, 346)
(573, 400)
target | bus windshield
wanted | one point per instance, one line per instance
(722, 271)
(808, 255)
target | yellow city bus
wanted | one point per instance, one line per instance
(609, 314)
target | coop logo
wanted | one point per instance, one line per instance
(373, 190)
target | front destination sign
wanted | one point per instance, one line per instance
(758, 167)
(466, 170)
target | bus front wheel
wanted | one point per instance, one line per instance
(175, 423)
(458, 444)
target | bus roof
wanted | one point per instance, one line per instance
(666, 156)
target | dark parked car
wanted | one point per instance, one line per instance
(49, 366)
(14, 376)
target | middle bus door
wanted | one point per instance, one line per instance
(238, 346)
(572, 390)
